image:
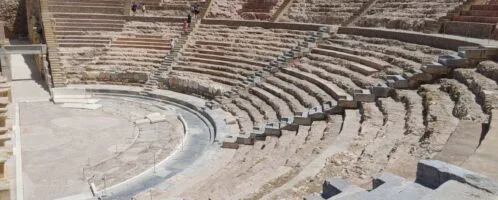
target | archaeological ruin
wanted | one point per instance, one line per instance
(248, 99)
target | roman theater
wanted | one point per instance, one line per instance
(248, 99)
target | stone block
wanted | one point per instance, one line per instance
(347, 102)
(281, 59)
(258, 133)
(287, 123)
(363, 95)
(230, 142)
(472, 52)
(302, 119)
(334, 186)
(297, 49)
(212, 105)
(380, 90)
(304, 44)
(453, 61)
(396, 81)
(316, 113)
(262, 73)
(274, 63)
(386, 177)
(310, 39)
(331, 107)
(491, 51)
(245, 139)
(273, 129)
(435, 68)
(289, 54)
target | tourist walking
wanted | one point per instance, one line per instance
(189, 19)
(185, 27)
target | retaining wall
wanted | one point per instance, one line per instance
(433, 40)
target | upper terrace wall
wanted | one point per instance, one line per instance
(437, 41)
(13, 12)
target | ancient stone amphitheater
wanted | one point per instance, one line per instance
(262, 99)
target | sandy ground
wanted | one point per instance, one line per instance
(59, 142)
(76, 141)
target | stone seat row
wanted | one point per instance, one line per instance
(362, 94)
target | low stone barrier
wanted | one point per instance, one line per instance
(276, 25)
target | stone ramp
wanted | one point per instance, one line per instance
(462, 143)
(485, 160)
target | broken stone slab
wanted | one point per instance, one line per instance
(435, 68)
(363, 95)
(273, 129)
(453, 61)
(454, 190)
(76, 100)
(82, 106)
(142, 121)
(396, 81)
(434, 173)
(155, 118)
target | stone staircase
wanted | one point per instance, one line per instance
(57, 70)
(152, 82)
(360, 12)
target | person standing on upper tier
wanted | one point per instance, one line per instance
(144, 10)
(134, 8)
(197, 10)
